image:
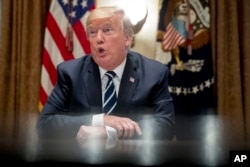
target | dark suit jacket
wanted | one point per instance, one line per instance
(143, 96)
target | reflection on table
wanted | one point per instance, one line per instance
(135, 152)
(212, 149)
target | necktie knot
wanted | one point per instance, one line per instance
(110, 74)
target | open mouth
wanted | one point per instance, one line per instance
(101, 50)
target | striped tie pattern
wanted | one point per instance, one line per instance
(110, 98)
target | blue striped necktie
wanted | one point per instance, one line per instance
(110, 98)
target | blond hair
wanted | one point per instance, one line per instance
(108, 11)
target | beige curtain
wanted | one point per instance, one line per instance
(231, 48)
(22, 32)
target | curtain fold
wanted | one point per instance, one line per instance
(22, 32)
(230, 38)
(245, 63)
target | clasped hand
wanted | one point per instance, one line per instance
(125, 128)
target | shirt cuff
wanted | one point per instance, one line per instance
(112, 137)
(97, 120)
(111, 133)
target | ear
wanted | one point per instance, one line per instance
(128, 40)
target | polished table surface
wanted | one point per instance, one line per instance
(130, 152)
(211, 148)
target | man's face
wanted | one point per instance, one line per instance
(107, 41)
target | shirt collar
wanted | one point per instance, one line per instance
(118, 70)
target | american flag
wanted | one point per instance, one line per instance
(65, 39)
(175, 35)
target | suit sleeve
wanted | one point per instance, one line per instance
(160, 124)
(56, 119)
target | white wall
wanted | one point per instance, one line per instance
(145, 39)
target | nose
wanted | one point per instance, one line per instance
(99, 37)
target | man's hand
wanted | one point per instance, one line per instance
(91, 136)
(126, 128)
(90, 132)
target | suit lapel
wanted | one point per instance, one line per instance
(128, 84)
(93, 85)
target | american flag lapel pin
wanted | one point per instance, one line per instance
(131, 79)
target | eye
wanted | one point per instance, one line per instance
(108, 30)
(92, 32)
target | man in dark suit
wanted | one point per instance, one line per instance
(144, 107)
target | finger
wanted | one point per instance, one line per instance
(119, 129)
(127, 128)
(137, 128)
(78, 136)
